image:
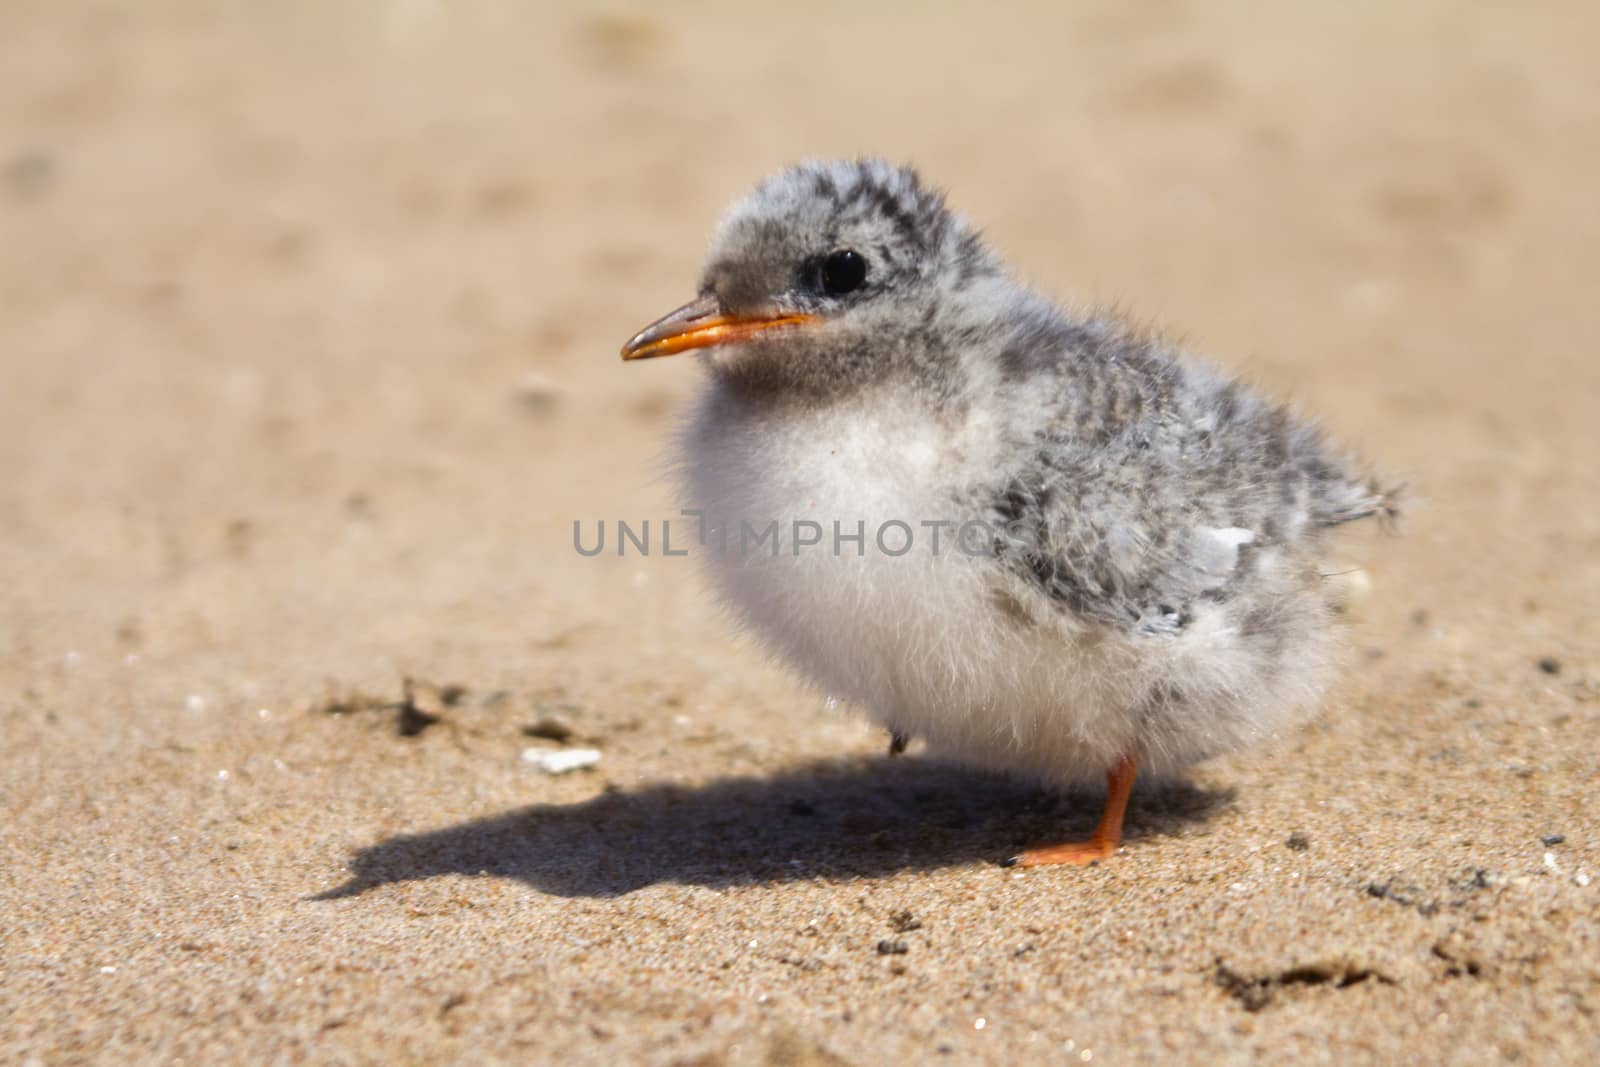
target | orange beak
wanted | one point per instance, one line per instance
(701, 325)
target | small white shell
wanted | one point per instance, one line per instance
(561, 760)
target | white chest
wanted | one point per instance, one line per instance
(836, 535)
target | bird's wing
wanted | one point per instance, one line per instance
(1110, 553)
(1152, 484)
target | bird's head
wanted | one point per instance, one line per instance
(820, 277)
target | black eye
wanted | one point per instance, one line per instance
(843, 272)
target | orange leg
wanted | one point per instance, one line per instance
(1106, 837)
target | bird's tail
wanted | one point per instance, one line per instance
(1363, 499)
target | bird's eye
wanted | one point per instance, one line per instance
(843, 272)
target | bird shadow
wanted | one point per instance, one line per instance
(842, 818)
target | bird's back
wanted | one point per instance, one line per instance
(1147, 483)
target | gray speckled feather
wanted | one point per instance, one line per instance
(1153, 483)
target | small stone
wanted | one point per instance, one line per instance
(1550, 665)
(1549, 840)
(550, 728)
(421, 706)
(894, 947)
(1581, 879)
(411, 722)
(561, 761)
(904, 922)
(424, 697)
(1298, 841)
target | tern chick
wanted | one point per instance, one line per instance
(1042, 541)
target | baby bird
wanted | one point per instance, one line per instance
(1040, 540)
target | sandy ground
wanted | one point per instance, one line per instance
(308, 327)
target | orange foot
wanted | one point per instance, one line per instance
(1072, 853)
(1102, 844)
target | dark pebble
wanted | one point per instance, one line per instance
(1553, 839)
(896, 947)
(411, 720)
(551, 728)
(1298, 842)
(1550, 665)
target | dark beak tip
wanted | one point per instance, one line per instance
(703, 324)
(643, 343)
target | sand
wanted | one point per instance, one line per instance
(308, 327)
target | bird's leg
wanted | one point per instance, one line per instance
(897, 743)
(1106, 837)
